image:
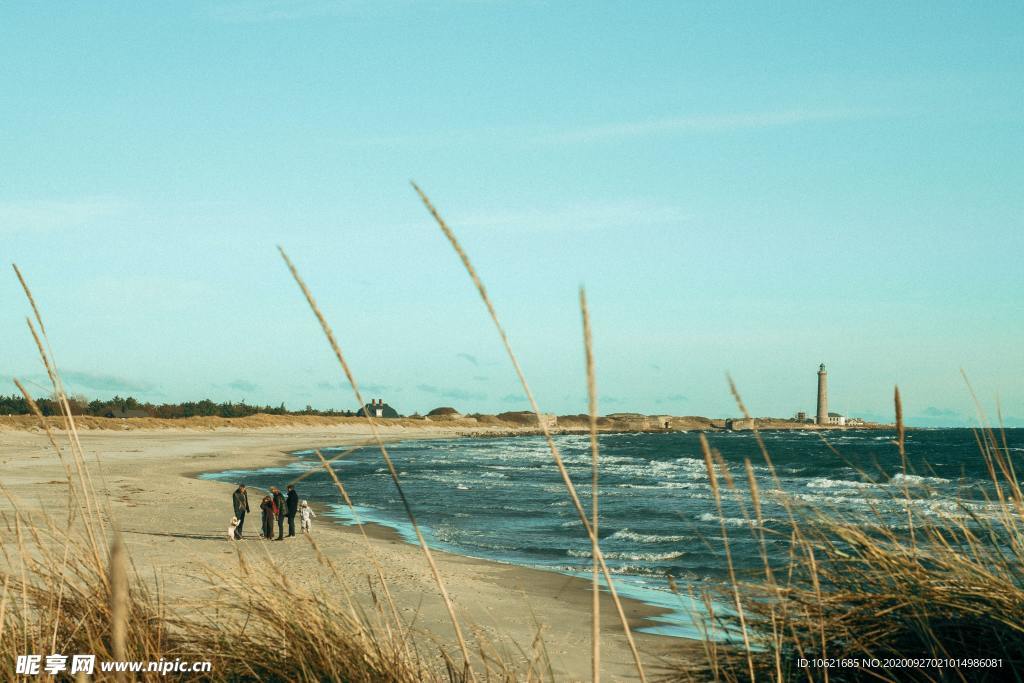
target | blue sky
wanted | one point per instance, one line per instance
(751, 188)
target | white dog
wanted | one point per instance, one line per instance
(231, 528)
(306, 514)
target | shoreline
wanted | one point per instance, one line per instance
(643, 613)
(150, 480)
(657, 622)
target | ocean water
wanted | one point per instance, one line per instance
(502, 499)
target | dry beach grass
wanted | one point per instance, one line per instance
(70, 589)
(346, 642)
(948, 587)
(939, 599)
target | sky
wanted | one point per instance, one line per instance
(744, 189)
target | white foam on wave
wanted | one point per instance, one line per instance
(691, 463)
(627, 535)
(915, 480)
(830, 498)
(631, 557)
(729, 521)
(953, 507)
(619, 460)
(663, 485)
(826, 483)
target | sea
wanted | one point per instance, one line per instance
(502, 499)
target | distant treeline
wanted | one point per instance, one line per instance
(130, 407)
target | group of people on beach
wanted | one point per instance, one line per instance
(274, 506)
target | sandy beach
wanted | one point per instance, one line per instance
(174, 523)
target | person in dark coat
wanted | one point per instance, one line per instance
(240, 501)
(278, 511)
(293, 509)
(267, 506)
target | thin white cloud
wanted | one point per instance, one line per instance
(594, 215)
(469, 358)
(451, 392)
(702, 123)
(78, 380)
(140, 291)
(243, 385)
(47, 215)
(520, 136)
(263, 11)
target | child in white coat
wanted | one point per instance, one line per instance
(306, 513)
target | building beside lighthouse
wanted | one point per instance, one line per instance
(822, 414)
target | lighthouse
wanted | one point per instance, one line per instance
(822, 396)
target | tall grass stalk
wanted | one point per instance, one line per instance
(47, 357)
(949, 585)
(556, 455)
(716, 494)
(98, 604)
(370, 552)
(595, 466)
(435, 572)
